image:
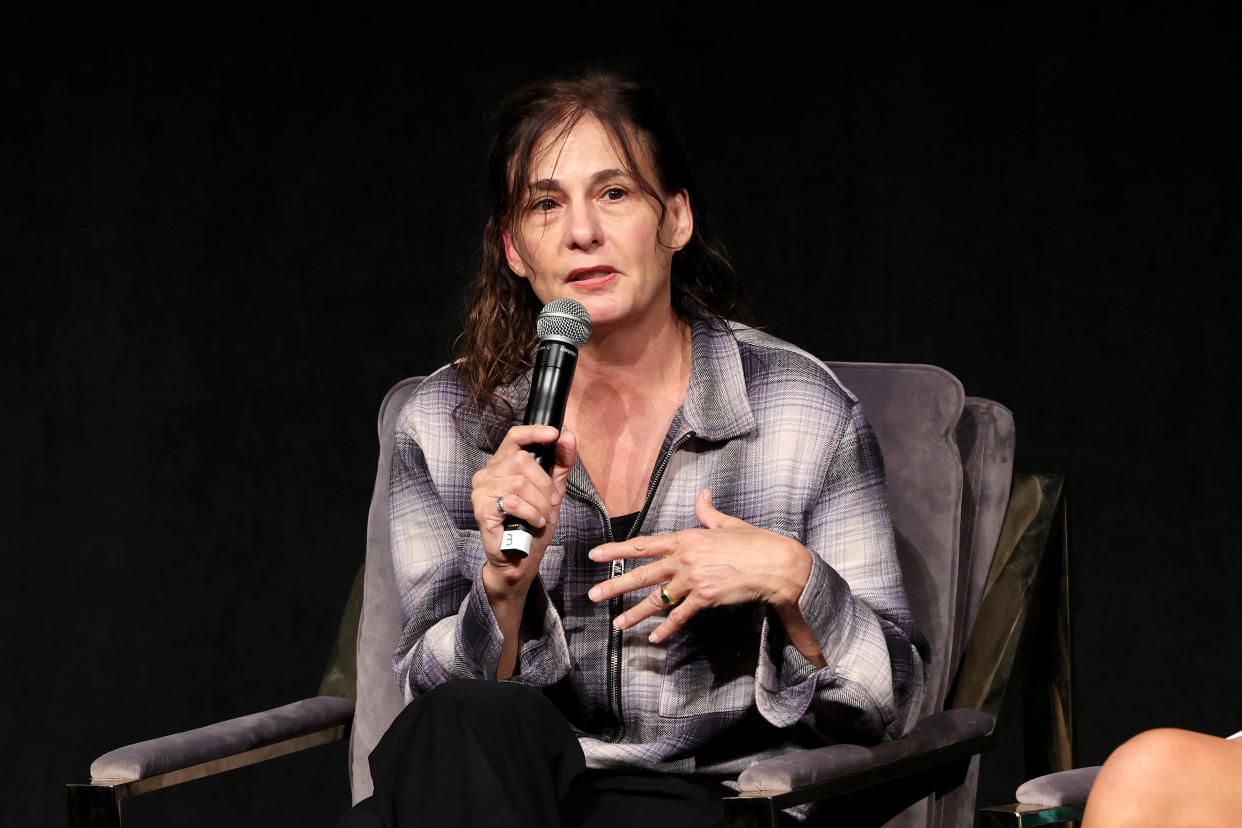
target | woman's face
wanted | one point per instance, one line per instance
(585, 230)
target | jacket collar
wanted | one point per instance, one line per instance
(716, 407)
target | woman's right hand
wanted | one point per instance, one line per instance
(528, 493)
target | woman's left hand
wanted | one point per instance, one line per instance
(728, 561)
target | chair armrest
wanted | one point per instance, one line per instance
(1045, 800)
(837, 769)
(1056, 789)
(224, 745)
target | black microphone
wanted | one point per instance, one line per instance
(563, 326)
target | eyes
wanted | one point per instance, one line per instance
(547, 204)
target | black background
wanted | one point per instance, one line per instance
(224, 238)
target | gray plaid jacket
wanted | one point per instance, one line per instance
(782, 446)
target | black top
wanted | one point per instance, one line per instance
(622, 525)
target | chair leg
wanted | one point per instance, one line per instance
(1027, 816)
(749, 812)
(93, 806)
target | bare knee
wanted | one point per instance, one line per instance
(1140, 784)
(1150, 756)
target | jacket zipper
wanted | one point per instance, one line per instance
(618, 568)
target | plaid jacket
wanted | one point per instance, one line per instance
(782, 446)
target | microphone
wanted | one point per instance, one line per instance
(563, 327)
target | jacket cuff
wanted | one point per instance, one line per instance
(478, 633)
(543, 657)
(786, 680)
(827, 605)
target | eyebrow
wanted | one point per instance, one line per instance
(544, 185)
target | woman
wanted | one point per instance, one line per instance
(712, 579)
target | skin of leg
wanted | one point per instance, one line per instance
(1168, 778)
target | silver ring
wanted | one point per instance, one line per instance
(500, 506)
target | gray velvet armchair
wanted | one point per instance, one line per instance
(976, 546)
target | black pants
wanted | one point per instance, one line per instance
(500, 754)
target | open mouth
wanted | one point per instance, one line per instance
(587, 274)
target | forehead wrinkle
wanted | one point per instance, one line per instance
(559, 135)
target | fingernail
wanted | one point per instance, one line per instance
(593, 555)
(543, 521)
(653, 638)
(618, 623)
(593, 594)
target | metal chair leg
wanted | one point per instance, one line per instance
(93, 806)
(749, 812)
(1025, 816)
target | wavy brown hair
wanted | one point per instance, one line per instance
(498, 339)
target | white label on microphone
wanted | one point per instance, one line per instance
(516, 540)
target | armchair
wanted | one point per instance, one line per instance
(974, 601)
(949, 462)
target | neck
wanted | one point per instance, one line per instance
(627, 389)
(657, 352)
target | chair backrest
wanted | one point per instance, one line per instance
(378, 700)
(948, 460)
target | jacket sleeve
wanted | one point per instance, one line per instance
(448, 629)
(855, 603)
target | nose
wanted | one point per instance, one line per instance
(585, 231)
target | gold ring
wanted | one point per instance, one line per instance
(665, 597)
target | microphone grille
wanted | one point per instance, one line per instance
(564, 319)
